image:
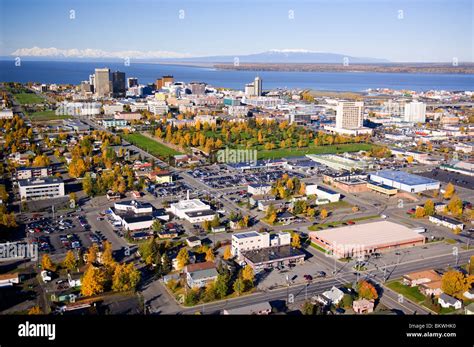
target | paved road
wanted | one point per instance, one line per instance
(302, 292)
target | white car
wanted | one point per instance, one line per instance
(46, 276)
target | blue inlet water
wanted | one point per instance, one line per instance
(75, 72)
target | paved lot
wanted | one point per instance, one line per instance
(455, 178)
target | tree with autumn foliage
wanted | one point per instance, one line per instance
(47, 263)
(248, 276)
(366, 290)
(210, 255)
(93, 281)
(91, 255)
(295, 240)
(107, 258)
(455, 283)
(429, 207)
(125, 278)
(227, 253)
(449, 191)
(183, 258)
(419, 212)
(70, 261)
(35, 310)
(323, 214)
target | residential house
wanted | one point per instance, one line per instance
(74, 280)
(332, 296)
(469, 294)
(469, 309)
(431, 288)
(447, 301)
(193, 241)
(200, 274)
(362, 306)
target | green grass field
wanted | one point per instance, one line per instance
(151, 146)
(411, 293)
(46, 115)
(28, 98)
(296, 152)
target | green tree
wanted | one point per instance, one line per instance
(222, 285)
(239, 286)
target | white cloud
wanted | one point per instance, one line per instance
(93, 53)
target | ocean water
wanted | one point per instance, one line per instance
(75, 72)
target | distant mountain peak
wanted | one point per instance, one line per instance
(289, 50)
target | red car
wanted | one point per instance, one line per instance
(350, 222)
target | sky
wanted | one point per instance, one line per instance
(397, 30)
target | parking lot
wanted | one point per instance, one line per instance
(64, 232)
(221, 177)
(176, 189)
(446, 176)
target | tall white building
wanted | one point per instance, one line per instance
(415, 112)
(350, 115)
(249, 89)
(257, 84)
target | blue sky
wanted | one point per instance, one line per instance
(430, 30)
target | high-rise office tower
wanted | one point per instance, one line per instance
(349, 115)
(415, 112)
(197, 88)
(118, 83)
(132, 82)
(102, 82)
(257, 86)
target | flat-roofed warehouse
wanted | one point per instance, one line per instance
(404, 181)
(363, 239)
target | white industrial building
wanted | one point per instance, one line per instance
(324, 195)
(259, 189)
(194, 210)
(134, 223)
(133, 206)
(39, 189)
(405, 181)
